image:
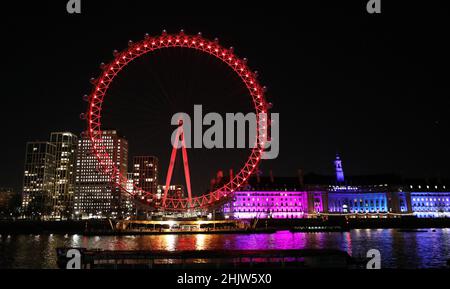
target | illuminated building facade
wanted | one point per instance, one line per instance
(96, 195)
(315, 196)
(399, 202)
(268, 204)
(370, 196)
(145, 173)
(175, 191)
(277, 198)
(65, 157)
(430, 201)
(354, 201)
(357, 202)
(128, 204)
(38, 180)
(130, 182)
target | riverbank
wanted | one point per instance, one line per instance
(56, 227)
(91, 227)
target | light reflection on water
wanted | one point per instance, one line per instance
(398, 250)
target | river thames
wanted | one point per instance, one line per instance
(410, 250)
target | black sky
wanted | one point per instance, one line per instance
(372, 87)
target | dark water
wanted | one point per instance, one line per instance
(398, 249)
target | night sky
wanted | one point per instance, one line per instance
(372, 87)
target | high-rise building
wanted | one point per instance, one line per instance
(145, 173)
(128, 203)
(66, 147)
(144, 179)
(174, 191)
(38, 180)
(96, 193)
(130, 183)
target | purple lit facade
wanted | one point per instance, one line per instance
(351, 200)
(273, 204)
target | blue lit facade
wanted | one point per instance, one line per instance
(357, 202)
(339, 170)
(430, 204)
(403, 202)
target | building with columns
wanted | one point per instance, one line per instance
(311, 196)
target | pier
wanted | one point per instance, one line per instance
(179, 226)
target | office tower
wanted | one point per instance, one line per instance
(145, 178)
(66, 146)
(130, 183)
(38, 180)
(145, 173)
(174, 191)
(128, 203)
(97, 194)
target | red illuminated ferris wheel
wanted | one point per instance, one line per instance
(148, 45)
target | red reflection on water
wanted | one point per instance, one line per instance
(348, 238)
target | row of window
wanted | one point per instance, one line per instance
(267, 204)
(267, 199)
(430, 205)
(265, 211)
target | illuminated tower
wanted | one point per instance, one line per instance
(339, 169)
(144, 178)
(66, 147)
(96, 194)
(38, 180)
(145, 173)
